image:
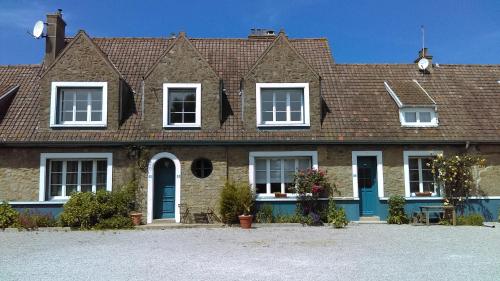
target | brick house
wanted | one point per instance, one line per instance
(184, 115)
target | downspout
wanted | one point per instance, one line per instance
(142, 99)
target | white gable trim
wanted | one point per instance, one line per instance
(393, 94)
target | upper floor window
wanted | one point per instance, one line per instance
(282, 104)
(78, 104)
(181, 105)
(418, 117)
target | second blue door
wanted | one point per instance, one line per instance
(164, 189)
(367, 184)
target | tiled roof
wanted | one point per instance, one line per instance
(409, 93)
(359, 107)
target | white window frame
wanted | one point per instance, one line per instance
(54, 102)
(43, 186)
(306, 119)
(380, 172)
(418, 110)
(166, 109)
(406, 161)
(278, 154)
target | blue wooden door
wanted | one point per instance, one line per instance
(367, 184)
(164, 189)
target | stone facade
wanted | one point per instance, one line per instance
(181, 64)
(70, 67)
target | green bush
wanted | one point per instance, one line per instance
(472, 219)
(8, 216)
(235, 199)
(265, 214)
(87, 210)
(289, 218)
(397, 210)
(29, 220)
(336, 217)
(115, 222)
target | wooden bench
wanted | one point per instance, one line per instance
(427, 210)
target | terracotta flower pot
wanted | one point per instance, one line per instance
(246, 221)
(423, 194)
(136, 218)
(280, 195)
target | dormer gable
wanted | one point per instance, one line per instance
(82, 89)
(182, 90)
(281, 90)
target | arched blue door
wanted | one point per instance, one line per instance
(164, 189)
(367, 184)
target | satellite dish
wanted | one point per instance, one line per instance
(38, 29)
(423, 63)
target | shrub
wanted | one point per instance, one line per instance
(397, 210)
(32, 221)
(8, 216)
(103, 209)
(289, 218)
(235, 199)
(336, 217)
(472, 219)
(265, 214)
(115, 222)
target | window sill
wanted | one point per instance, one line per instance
(419, 125)
(283, 125)
(183, 126)
(79, 125)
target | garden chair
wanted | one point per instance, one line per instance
(184, 211)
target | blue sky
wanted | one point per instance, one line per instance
(359, 31)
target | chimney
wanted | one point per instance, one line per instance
(54, 41)
(261, 33)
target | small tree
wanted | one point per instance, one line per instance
(455, 176)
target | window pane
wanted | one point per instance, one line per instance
(275, 176)
(56, 178)
(267, 106)
(56, 166)
(304, 163)
(67, 104)
(281, 106)
(96, 116)
(70, 189)
(289, 165)
(425, 117)
(96, 94)
(427, 175)
(280, 116)
(81, 116)
(275, 187)
(190, 107)
(175, 118)
(260, 164)
(295, 106)
(102, 166)
(176, 106)
(97, 105)
(413, 163)
(81, 105)
(429, 186)
(260, 177)
(86, 188)
(275, 164)
(280, 95)
(266, 95)
(410, 117)
(189, 117)
(295, 116)
(67, 116)
(267, 116)
(414, 187)
(260, 188)
(55, 190)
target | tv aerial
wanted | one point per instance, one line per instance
(423, 63)
(38, 30)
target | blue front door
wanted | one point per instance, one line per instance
(164, 189)
(367, 184)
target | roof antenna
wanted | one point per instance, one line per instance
(423, 63)
(423, 40)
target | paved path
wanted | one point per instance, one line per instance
(360, 252)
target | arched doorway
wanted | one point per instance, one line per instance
(164, 187)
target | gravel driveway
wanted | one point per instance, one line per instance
(360, 252)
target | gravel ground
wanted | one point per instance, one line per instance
(360, 252)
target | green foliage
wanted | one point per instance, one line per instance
(87, 210)
(296, 218)
(235, 199)
(29, 220)
(472, 219)
(8, 216)
(455, 175)
(397, 210)
(265, 214)
(311, 185)
(336, 217)
(115, 222)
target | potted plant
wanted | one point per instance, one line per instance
(245, 201)
(136, 218)
(279, 195)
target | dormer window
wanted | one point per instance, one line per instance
(416, 107)
(78, 104)
(181, 105)
(418, 117)
(282, 104)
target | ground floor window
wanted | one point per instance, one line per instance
(418, 173)
(62, 174)
(273, 172)
(69, 176)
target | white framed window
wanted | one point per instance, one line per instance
(273, 172)
(282, 104)
(181, 105)
(418, 174)
(62, 174)
(418, 117)
(78, 104)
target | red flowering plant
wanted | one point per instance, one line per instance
(311, 185)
